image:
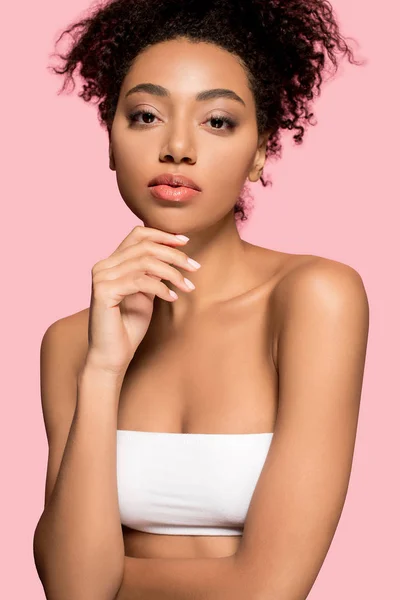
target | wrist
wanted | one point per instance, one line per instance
(90, 372)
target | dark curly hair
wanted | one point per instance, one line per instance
(280, 44)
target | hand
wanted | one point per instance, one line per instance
(124, 286)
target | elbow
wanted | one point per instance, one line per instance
(63, 578)
(41, 547)
(38, 552)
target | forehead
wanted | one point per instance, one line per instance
(185, 68)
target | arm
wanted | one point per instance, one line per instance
(181, 579)
(78, 542)
(299, 497)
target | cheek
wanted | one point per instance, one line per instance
(134, 164)
(127, 152)
(227, 165)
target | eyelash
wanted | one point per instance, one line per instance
(230, 122)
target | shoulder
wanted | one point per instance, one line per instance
(62, 353)
(321, 355)
(69, 335)
(314, 284)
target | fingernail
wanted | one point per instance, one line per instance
(189, 283)
(194, 263)
(184, 238)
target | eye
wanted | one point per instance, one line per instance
(147, 114)
(231, 124)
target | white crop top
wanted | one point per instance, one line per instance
(188, 483)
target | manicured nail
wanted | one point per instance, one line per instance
(189, 283)
(184, 238)
(194, 263)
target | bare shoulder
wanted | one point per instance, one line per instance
(62, 352)
(308, 279)
(71, 333)
(321, 356)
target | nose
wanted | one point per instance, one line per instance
(179, 145)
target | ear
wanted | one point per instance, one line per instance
(259, 159)
(111, 157)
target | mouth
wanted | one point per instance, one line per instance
(173, 193)
(174, 181)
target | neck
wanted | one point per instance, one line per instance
(222, 275)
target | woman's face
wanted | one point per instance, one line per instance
(185, 135)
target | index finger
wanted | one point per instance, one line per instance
(140, 232)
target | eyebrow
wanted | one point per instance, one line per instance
(159, 90)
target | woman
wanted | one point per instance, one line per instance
(228, 481)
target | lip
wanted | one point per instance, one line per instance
(174, 180)
(174, 194)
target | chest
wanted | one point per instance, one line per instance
(215, 375)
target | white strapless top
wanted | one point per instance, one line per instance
(188, 483)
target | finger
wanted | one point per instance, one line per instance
(148, 248)
(140, 232)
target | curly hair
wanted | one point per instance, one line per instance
(281, 44)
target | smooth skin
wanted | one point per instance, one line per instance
(182, 137)
(211, 361)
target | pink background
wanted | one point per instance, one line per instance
(62, 212)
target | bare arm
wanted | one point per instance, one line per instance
(301, 490)
(183, 579)
(78, 542)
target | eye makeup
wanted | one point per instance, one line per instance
(132, 117)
